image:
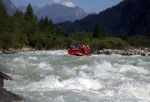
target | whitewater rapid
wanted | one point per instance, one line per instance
(55, 76)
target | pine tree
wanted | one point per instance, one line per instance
(3, 18)
(18, 22)
(30, 26)
(2, 8)
(99, 32)
(96, 31)
(29, 16)
(5, 28)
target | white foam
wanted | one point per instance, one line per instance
(45, 66)
(19, 59)
(113, 76)
(134, 69)
(54, 82)
(142, 92)
(59, 99)
(134, 90)
(82, 84)
(69, 71)
(32, 58)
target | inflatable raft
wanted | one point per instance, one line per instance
(79, 50)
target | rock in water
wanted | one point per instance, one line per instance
(7, 96)
(3, 77)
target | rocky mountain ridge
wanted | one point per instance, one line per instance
(129, 17)
(56, 12)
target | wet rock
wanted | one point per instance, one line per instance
(1, 82)
(128, 52)
(1, 52)
(148, 54)
(7, 96)
(3, 77)
(13, 50)
(9, 51)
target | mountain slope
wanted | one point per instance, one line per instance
(59, 13)
(11, 8)
(129, 17)
(23, 8)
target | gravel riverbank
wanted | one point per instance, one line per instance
(128, 52)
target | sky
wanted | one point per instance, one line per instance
(87, 5)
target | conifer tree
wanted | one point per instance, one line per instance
(29, 16)
(5, 27)
(99, 32)
(96, 31)
(3, 18)
(18, 22)
(30, 26)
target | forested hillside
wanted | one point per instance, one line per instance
(25, 30)
(130, 17)
(22, 30)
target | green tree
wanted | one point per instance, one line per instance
(96, 31)
(29, 16)
(18, 22)
(30, 25)
(5, 27)
(4, 18)
(99, 32)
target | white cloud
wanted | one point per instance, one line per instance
(69, 4)
(65, 2)
(57, 1)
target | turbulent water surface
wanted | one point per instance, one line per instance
(55, 76)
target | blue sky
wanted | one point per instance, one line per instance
(87, 5)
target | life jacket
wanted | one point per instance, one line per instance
(86, 50)
(69, 49)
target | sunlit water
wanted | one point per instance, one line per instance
(55, 76)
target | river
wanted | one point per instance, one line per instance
(55, 76)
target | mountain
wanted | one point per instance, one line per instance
(56, 12)
(23, 8)
(131, 17)
(11, 8)
(59, 13)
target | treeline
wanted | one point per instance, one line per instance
(128, 17)
(25, 30)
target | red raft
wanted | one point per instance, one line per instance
(79, 50)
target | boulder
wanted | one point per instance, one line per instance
(3, 77)
(7, 96)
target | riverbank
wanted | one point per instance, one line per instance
(127, 52)
(7, 96)
(12, 50)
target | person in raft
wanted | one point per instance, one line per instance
(79, 50)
